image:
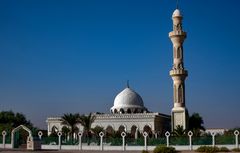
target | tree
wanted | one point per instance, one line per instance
(97, 130)
(196, 124)
(21, 119)
(230, 132)
(10, 120)
(86, 121)
(179, 131)
(71, 120)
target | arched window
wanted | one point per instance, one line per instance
(122, 111)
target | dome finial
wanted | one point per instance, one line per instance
(127, 83)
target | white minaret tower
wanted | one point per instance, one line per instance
(178, 73)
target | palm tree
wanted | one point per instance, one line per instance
(65, 131)
(71, 120)
(179, 131)
(86, 122)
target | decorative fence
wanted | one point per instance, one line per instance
(101, 142)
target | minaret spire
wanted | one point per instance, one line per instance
(177, 4)
(178, 73)
(128, 84)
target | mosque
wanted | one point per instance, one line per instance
(128, 112)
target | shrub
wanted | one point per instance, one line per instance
(208, 149)
(145, 151)
(224, 149)
(236, 150)
(164, 149)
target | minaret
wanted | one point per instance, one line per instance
(178, 73)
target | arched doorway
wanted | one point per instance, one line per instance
(54, 131)
(15, 140)
(134, 132)
(65, 132)
(109, 131)
(121, 129)
(148, 129)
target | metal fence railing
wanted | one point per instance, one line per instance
(117, 141)
(143, 140)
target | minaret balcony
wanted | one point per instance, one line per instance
(177, 33)
(177, 37)
(175, 72)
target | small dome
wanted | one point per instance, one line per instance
(128, 101)
(176, 13)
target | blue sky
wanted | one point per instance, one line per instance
(64, 56)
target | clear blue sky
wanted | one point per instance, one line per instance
(75, 56)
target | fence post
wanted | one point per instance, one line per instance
(167, 134)
(101, 134)
(145, 134)
(59, 140)
(80, 140)
(190, 134)
(4, 133)
(123, 134)
(236, 133)
(213, 138)
(40, 135)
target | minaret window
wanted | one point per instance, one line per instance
(175, 93)
(178, 52)
(174, 52)
(180, 94)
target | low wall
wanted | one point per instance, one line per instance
(136, 148)
(7, 146)
(107, 147)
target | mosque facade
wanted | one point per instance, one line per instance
(128, 112)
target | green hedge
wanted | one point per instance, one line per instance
(164, 149)
(210, 149)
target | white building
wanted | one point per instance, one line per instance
(219, 131)
(127, 114)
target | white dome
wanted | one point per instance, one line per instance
(128, 101)
(176, 13)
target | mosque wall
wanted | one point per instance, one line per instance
(154, 122)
